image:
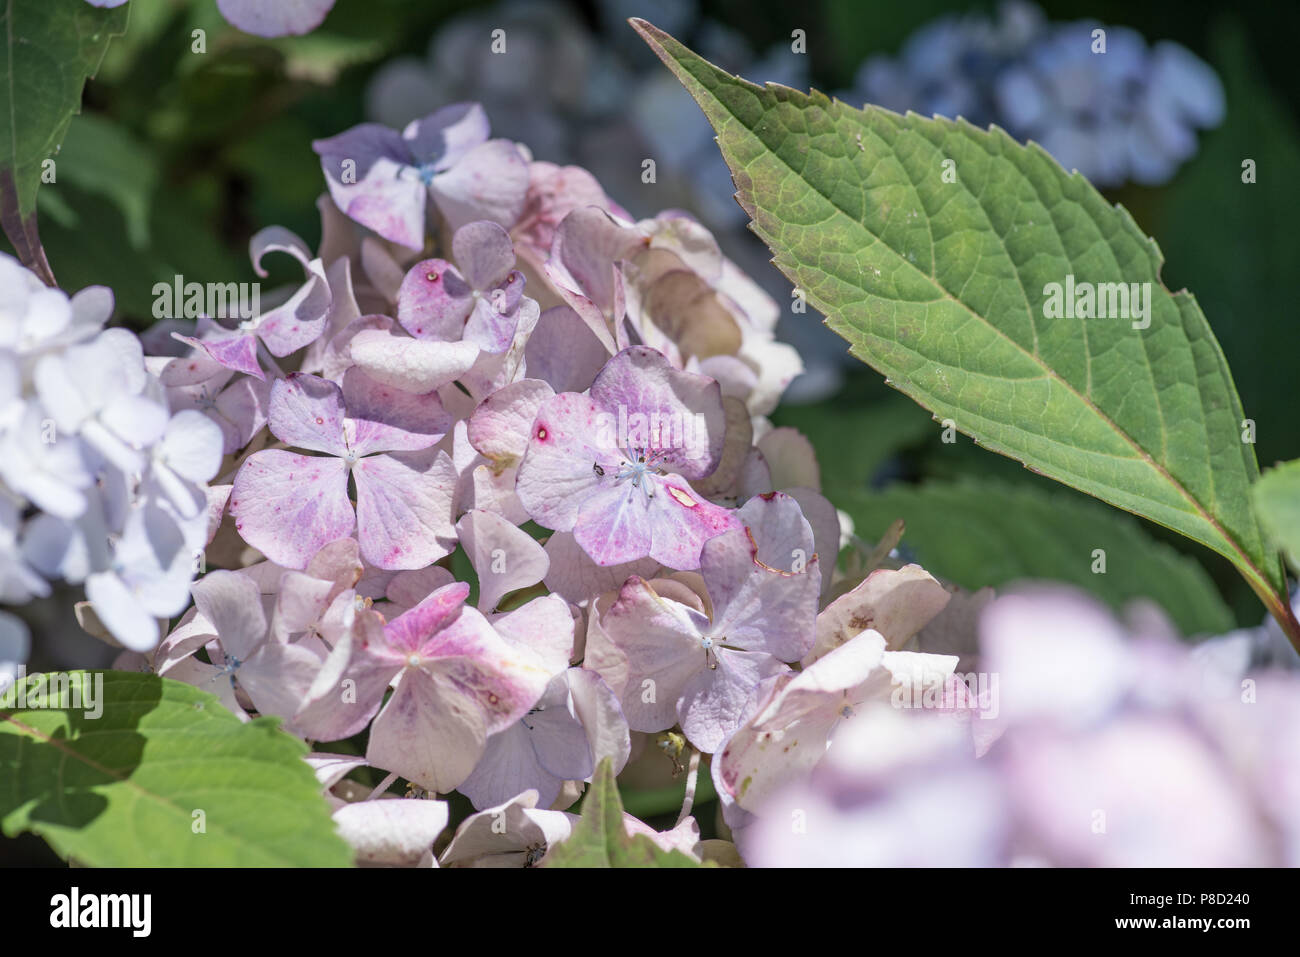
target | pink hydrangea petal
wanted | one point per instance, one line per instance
(391, 833)
(713, 702)
(504, 557)
(556, 476)
(429, 732)
(411, 364)
(688, 407)
(614, 524)
(404, 504)
(564, 352)
(287, 506)
(661, 639)
(232, 605)
(574, 576)
(489, 182)
(492, 330)
(242, 411)
(682, 522)
(502, 423)
(485, 254)
(434, 302)
(544, 627)
(307, 412)
(299, 321)
(236, 352)
(390, 419)
(510, 765)
(897, 603)
(760, 608)
(410, 630)
(447, 134)
(382, 191)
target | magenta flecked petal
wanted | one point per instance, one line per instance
(404, 504)
(279, 19)
(237, 352)
(614, 524)
(409, 631)
(434, 301)
(712, 705)
(288, 506)
(427, 732)
(490, 330)
(387, 419)
(500, 427)
(556, 475)
(307, 412)
(682, 522)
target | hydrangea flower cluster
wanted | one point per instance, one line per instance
(1094, 96)
(488, 365)
(103, 477)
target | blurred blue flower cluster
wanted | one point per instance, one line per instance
(1096, 97)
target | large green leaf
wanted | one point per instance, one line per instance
(1277, 500)
(987, 532)
(941, 285)
(123, 789)
(600, 840)
(47, 50)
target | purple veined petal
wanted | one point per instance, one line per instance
(682, 521)
(759, 608)
(500, 426)
(614, 523)
(564, 351)
(544, 627)
(237, 352)
(560, 470)
(429, 733)
(575, 577)
(484, 253)
(596, 322)
(442, 138)
(489, 181)
(307, 412)
(505, 558)
(340, 704)
(410, 630)
(387, 419)
(411, 365)
(282, 18)
(679, 413)
(339, 563)
(434, 301)
(404, 504)
(713, 702)
(288, 506)
(662, 641)
(233, 605)
(468, 656)
(509, 766)
(370, 179)
(391, 833)
(490, 330)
